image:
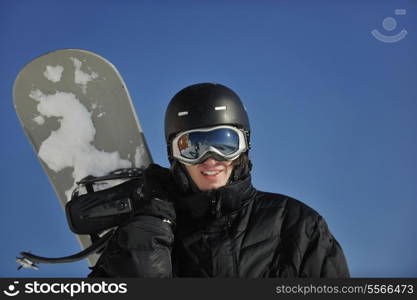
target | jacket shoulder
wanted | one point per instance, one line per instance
(291, 213)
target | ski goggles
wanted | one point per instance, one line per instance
(220, 142)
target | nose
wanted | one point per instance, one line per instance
(210, 162)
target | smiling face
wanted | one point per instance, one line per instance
(211, 174)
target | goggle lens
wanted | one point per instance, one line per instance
(194, 144)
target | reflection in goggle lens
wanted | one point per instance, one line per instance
(194, 144)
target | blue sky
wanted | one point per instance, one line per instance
(332, 109)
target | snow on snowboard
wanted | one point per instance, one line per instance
(77, 113)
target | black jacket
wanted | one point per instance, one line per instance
(235, 231)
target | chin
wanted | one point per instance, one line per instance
(210, 186)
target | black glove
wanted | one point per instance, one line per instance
(142, 246)
(158, 194)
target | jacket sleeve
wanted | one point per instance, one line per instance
(321, 254)
(140, 248)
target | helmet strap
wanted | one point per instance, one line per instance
(242, 168)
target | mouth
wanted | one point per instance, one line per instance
(211, 174)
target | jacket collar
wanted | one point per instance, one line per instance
(210, 205)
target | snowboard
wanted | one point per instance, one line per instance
(77, 114)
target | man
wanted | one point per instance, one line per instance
(203, 217)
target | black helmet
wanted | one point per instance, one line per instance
(204, 105)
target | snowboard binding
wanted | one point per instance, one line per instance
(98, 206)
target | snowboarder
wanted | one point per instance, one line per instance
(203, 218)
